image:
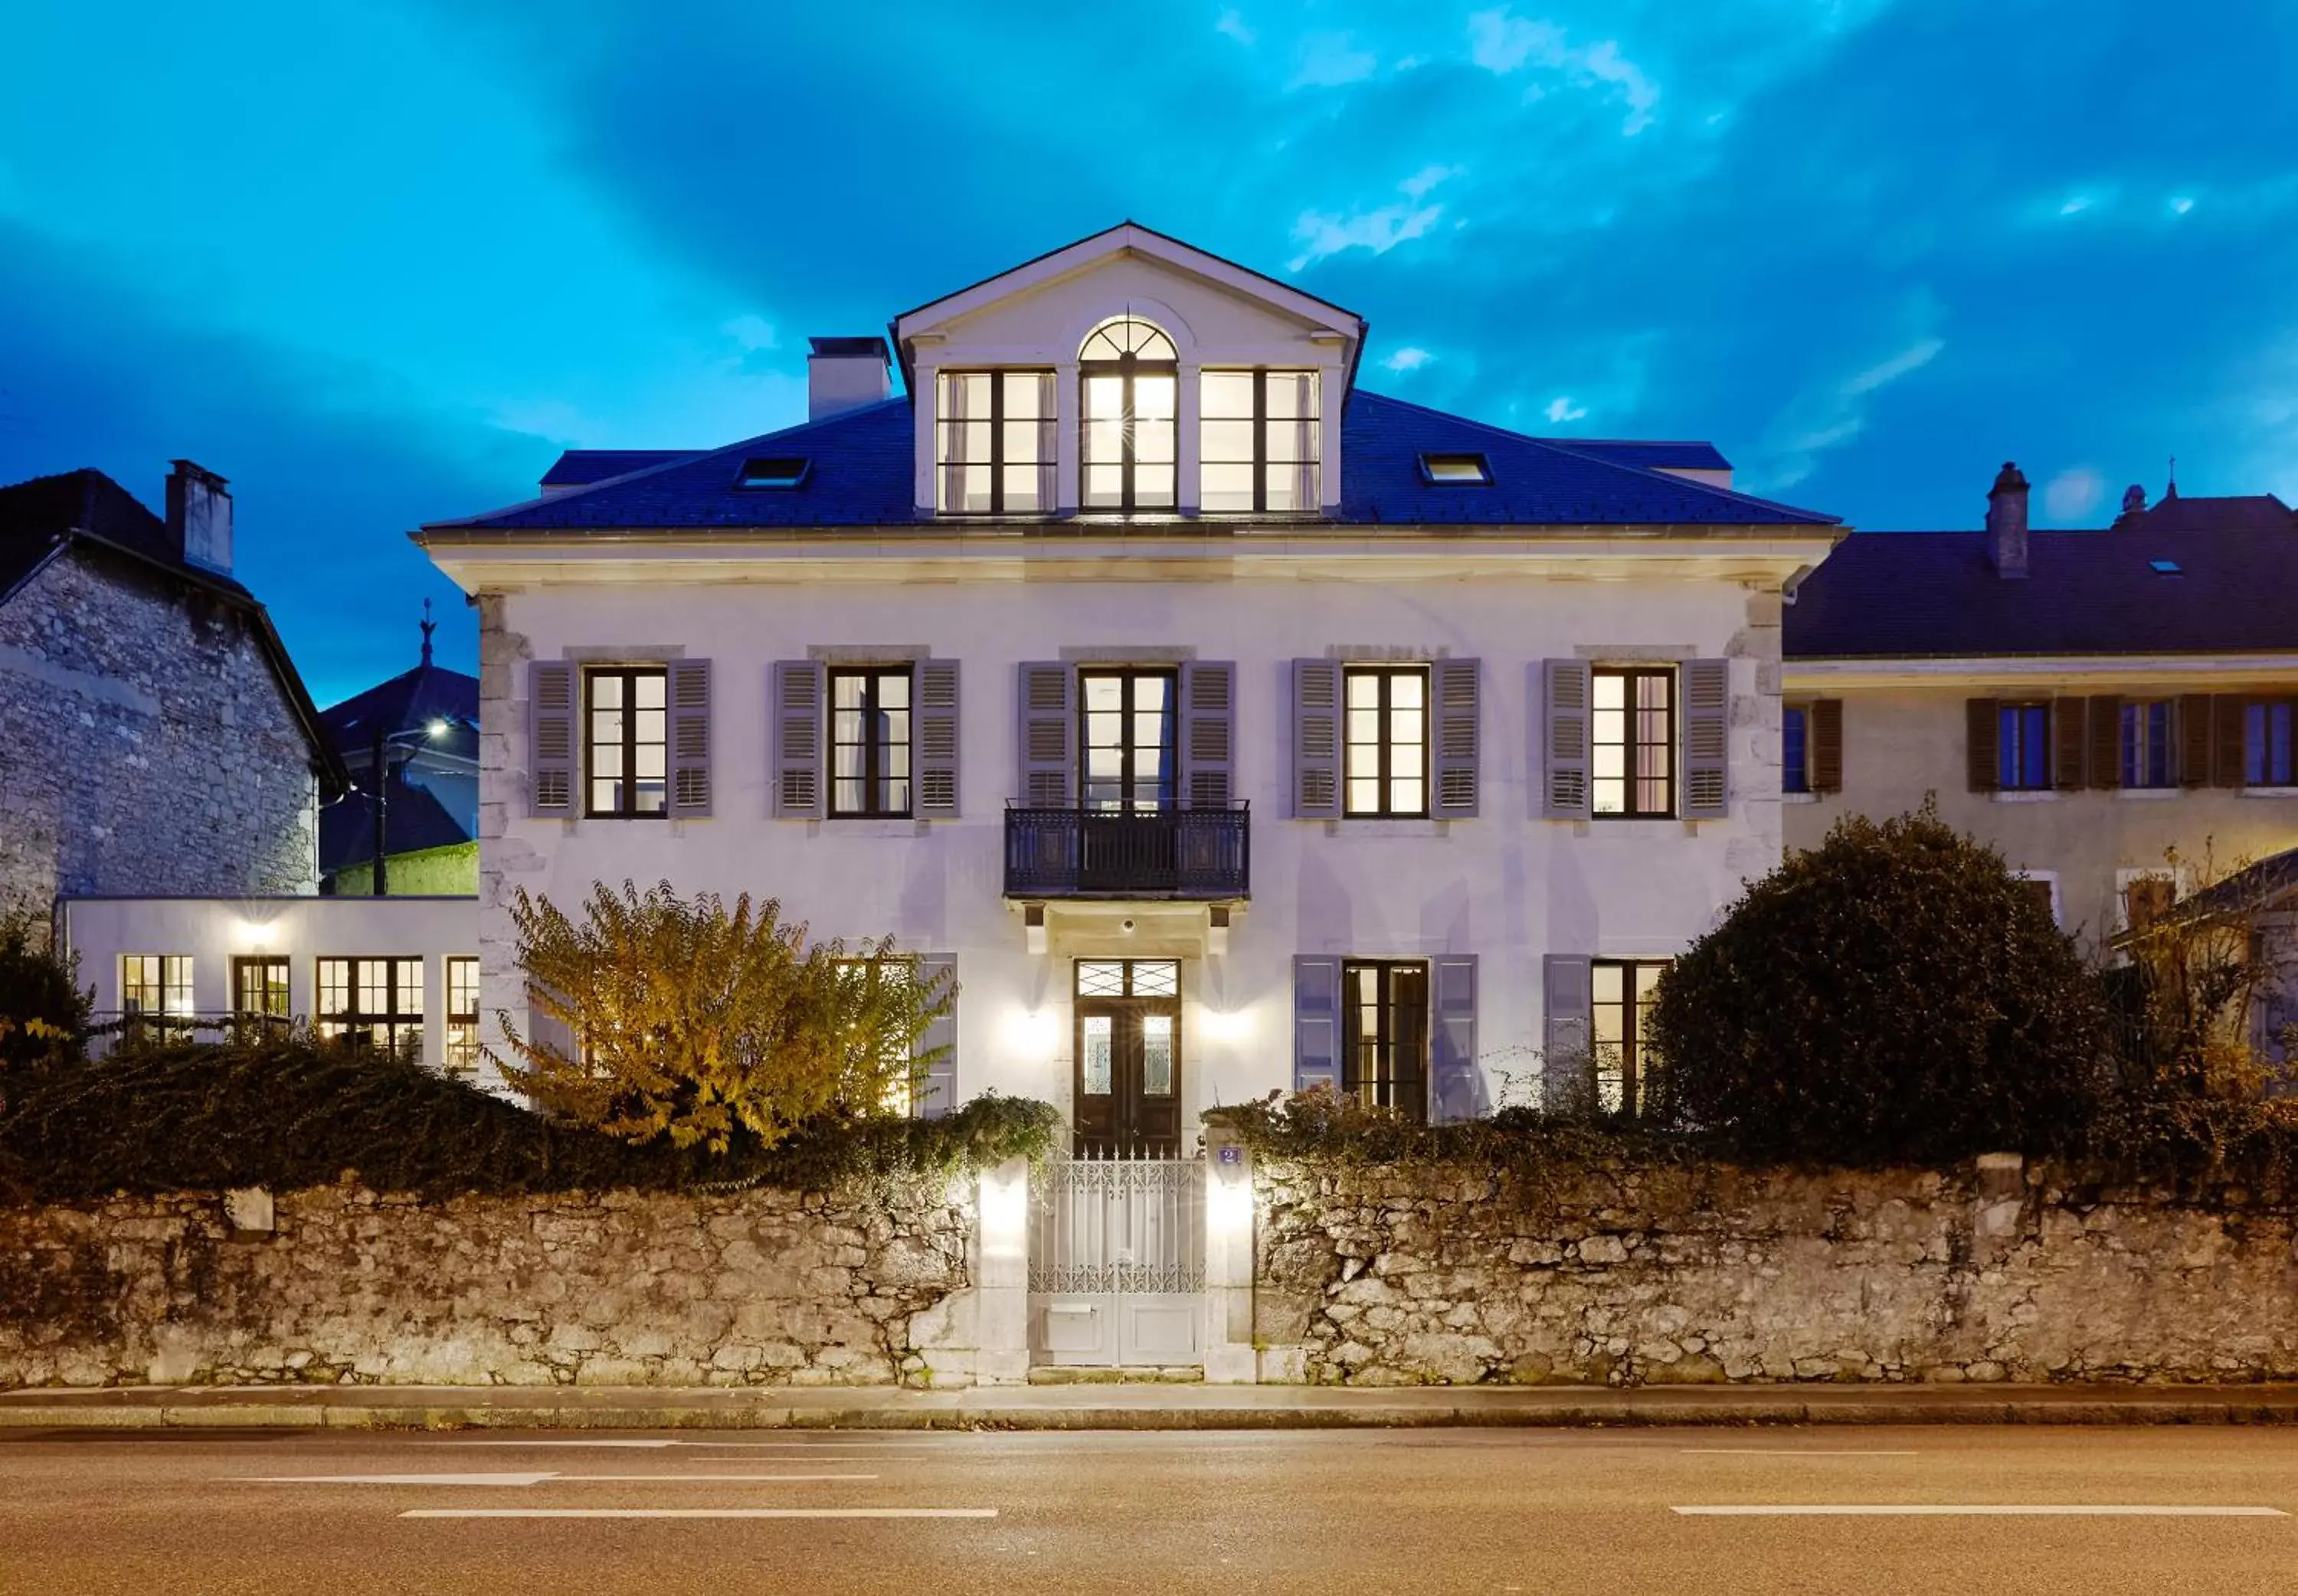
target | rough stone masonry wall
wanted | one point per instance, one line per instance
(765, 1287)
(146, 746)
(1388, 1276)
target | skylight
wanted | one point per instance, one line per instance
(1455, 470)
(782, 471)
(2165, 567)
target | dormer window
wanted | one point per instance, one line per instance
(1455, 470)
(996, 443)
(1128, 432)
(1258, 441)
(780, 472)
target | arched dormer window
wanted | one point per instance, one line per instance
(1128, 432)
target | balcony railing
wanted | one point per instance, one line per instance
(1101, 853)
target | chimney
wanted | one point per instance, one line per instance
(199, 517)
(845, 374)
(2006, 522)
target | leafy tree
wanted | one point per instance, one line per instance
(683, 1017)
(2196, 1001)
(1895, 995)
(42, 1013)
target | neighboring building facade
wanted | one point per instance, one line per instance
(2085, 700)
(154, 736)
(424, 725)
(1226, 726)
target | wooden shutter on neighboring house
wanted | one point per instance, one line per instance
(2194, 740)
(551, 713)
(1457, 737)
(2105, 740)
(1824, 728)
(1047, 734)
(1706, 739)
(689, 739)
(2069, 735)
(1316, 1021)
(1983, 727)
(1453, 1037)
(938, 1047)
(938, 739)
(2227, 739)
(797, 709)
(1564, 739)
(1317, 740)
(1568, 1001)
(1208, 734)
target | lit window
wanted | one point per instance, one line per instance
(259, 988)
(378, 1001)
(1632, 740)
(2149, 758)
(462, 1014)
(899, 1064)
(870, 742)
(626, 742)
(1455, 470)
(1384, 1058)
(2266, 744)
(1129, 747)
(1624, 991)
(780, 472)
(995, 442)
(154, 983)
(1257, 441)
(1128, 433)
(1387, 750)
(2022, 748)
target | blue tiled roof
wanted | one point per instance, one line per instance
(1652, 455)
(1913, 594)
(864, 475)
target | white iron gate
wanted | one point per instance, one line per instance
(1117, 1262)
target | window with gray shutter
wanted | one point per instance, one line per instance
(797, 694)
(1706, 737)
(1316, 1021)
(1566, 1003)
(936, 744)
(938, 1047)
(550, 739)
(1453, 1037)
(689, 738)
(1208, 734)
(1565, 735)
(1458, 737)
(1048, 736)
(1317, 743)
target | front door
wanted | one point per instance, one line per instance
(1127, 1077)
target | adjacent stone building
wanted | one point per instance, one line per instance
(154, 737)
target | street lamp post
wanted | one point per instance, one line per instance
(378, 883)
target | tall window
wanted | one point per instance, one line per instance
(259, 988)
(1794, 748)
(870, 742)
(1387, 752)
(372, 1000)
(1632, 740)
(2022, 748)
(2266, 745)
(995, 442)
(1257, 438)
(900, 1063)
(626, 742)
(2149, 757)
(1130, 740)
(155, 983)
(462, 1013)
(1623, 992)
(1130, 440)
(1384, 1061)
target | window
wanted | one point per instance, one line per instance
(1257, 441)
(626, 742)
(1131, 383)
(1455, 470)
(2022, 748)
(1129, 739)
(259, 988)
(787, 471)
(2266, 746)
(462, 1014)
(900, 1063)
(1621, 1003)
(2146, 896)
(376, 1000)
(155, 983)
(1387, 752)
(870, 742)
(1794, 748)
(995, 442)
(1632, 740)
(1385, 1060)
(2150, 759)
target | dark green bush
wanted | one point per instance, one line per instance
(42, 1013)
(1894, 995)
(1322, 1128)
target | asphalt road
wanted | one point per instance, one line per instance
(186, 1513)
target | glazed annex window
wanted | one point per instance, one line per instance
(155, 983)
(1385, 749)
(375, 1000)
(462, 1013)
(1632, 742)
(1128, 431)
(626, 742)
(995, 442)
(259, 988)
(870, 742)
(1257, 441)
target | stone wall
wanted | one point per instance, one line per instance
(765, 1287)
(146, 745)
(1386, 1278)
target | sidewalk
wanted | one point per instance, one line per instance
(1124, 1406)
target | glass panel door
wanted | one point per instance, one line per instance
(1129, 1058)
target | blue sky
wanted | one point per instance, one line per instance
(379, 262)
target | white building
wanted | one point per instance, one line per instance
(1229, 727)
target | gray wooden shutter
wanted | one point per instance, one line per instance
(1706, 739)
(798, 714)
(1048, 735)
(1459, 1085)
(550, 739)
(1568, 1003)
(1825, 732)
(938, 1044)
(936, 744)
(1316, 1021)
(1982, 731)
(1564, 739)
(1457, 738)
(689, 738)
(1316, 740)
(2068, 733)
(1208, 734)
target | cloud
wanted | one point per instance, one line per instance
(1329, 59)
(1420, 182)
(1562, 410)
(1408, 358)
(1232, 25)
(1502, 43)
(2180, 204)
(1379, 230)
(2073, 493)
(751, 331)
(1834, 414)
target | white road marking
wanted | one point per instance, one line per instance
(1782, 1451)
(672, 1479)
(700, 1513)
(395, 1479)
(655, 1445)
(1983, 1509)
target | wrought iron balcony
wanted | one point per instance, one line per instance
(1186, 853)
